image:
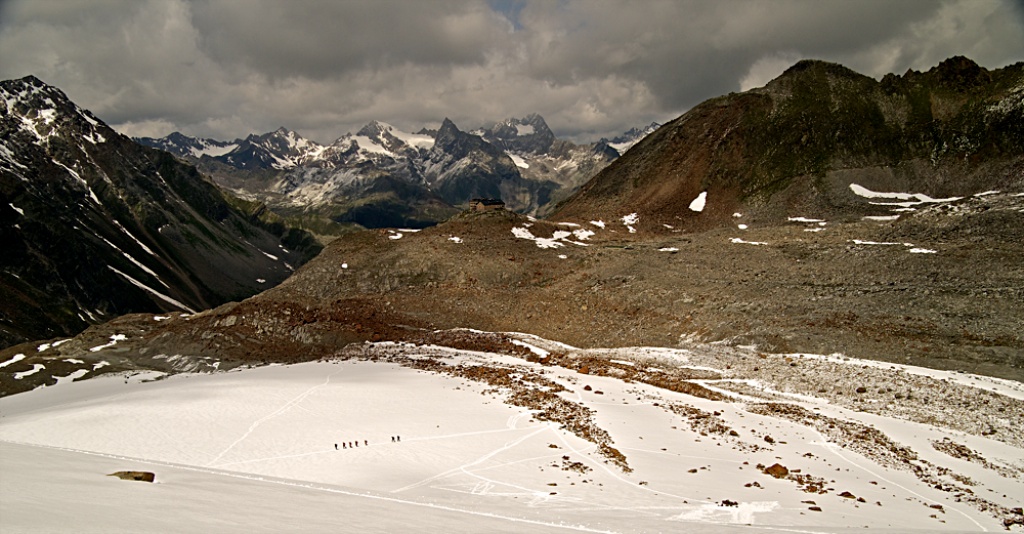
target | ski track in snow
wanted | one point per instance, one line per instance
(256, 424)
(321, 487)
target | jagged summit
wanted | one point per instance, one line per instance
(622, 143)
(47, 113)
(374, 129)
(819, 66)
(528, 135)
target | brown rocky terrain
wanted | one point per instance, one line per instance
(836, 290)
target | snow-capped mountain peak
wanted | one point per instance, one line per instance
(624, 142)
(43, 111)
(185, 146)
(530, 135)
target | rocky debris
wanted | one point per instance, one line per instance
(963, 452)
(578, 467)
(141, 476)
(678, 379)
(775, 470)
(875, 445)
(1015, 517)
(521, 387)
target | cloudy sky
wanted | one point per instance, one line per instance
(592, 68)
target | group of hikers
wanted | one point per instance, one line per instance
(366, 443)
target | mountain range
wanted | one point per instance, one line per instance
(384, 177)
(95, 225)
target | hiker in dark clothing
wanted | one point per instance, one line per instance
(335, 446)
(366, 443)
(399, 438)
(392, 439)
(357, 443)
(343, 446)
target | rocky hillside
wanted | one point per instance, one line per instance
(904, 291)
(801, 141)
(95, 225)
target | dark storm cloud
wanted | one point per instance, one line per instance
(318, 39)
(225, 68)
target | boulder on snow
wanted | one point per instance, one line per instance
(142, 476)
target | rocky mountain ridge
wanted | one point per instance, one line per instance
(96, 226)
(381, 176)
(805, 137)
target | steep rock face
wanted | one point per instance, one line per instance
(529, 135)
(558, 166)
(462, 166)
(800, 141)
(95, 225)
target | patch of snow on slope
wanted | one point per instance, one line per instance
(582, 234)
(16, 358)
(371, 146)
(212, 150)
(698, 203)
(741, 241)
(137, 263)
(35, 369)
(154, 292)
(630, 220)
(113, 341)
(542, 242)
(129, 234)
(71, 377)
(413, 140)
(599, 224)
(532, 348)
(912, 199)
(518, 160)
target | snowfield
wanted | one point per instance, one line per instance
(467, 441)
